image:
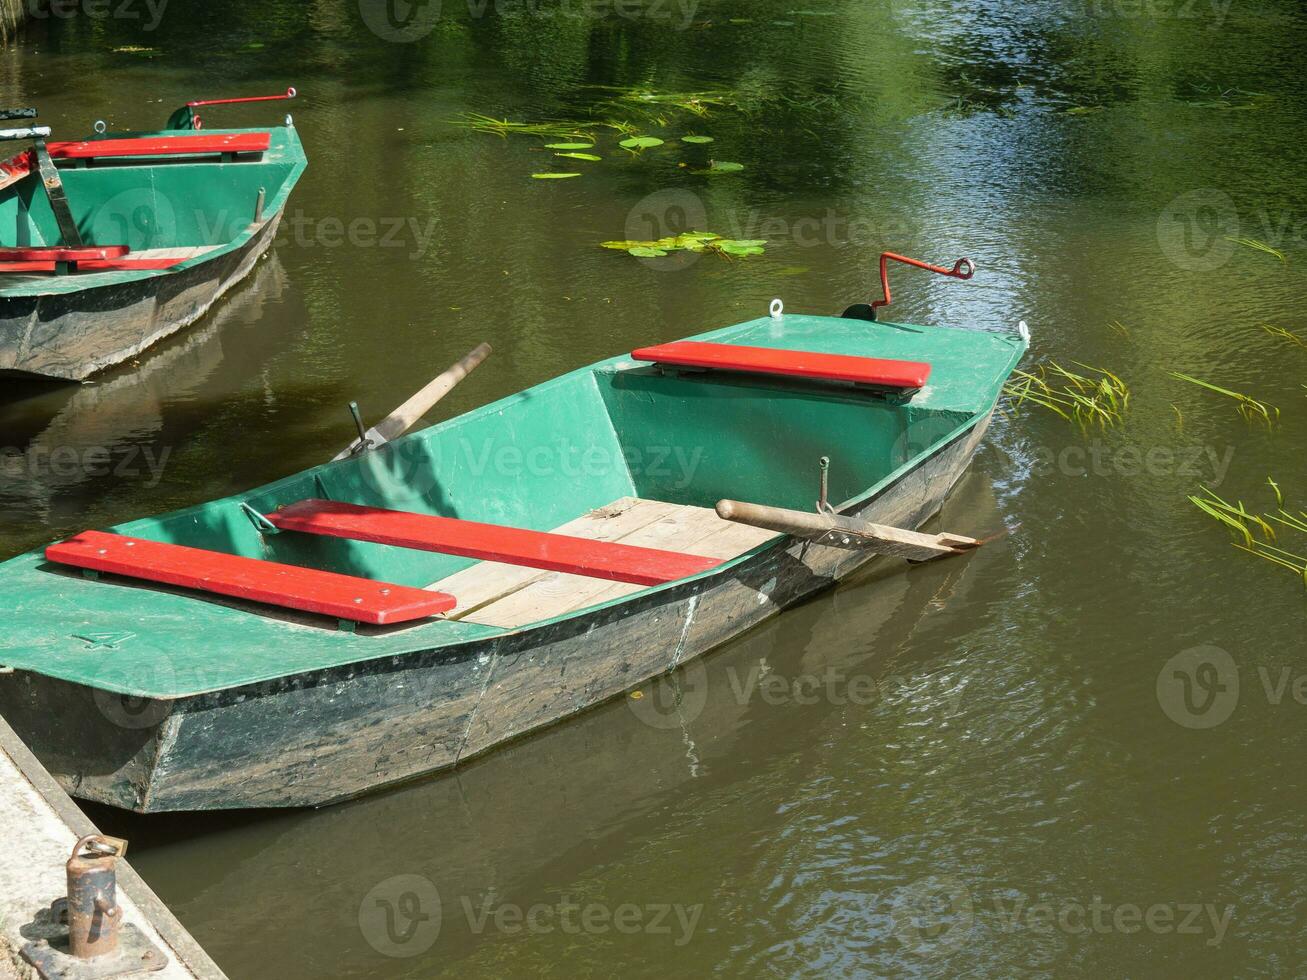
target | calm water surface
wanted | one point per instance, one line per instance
(955, 769)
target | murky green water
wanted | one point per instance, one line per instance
(959, 769)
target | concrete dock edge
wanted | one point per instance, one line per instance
(39, 825)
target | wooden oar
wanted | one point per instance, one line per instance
(407, 415)
(846, 532)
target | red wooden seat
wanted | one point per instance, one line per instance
(127, 265)
(880, 372)
(491, 542)
(27, 267)
(62, 253)
(290, 586)
(154, 146)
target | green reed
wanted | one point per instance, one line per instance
(1256, 533)
(1095, 398)
(1250, 408)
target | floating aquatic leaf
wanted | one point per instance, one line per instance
(742, 248)
(693, 241)
(569, 146)
(640, 143)
(696, 139)
(579, 156)
(553, 176)
(721, 167)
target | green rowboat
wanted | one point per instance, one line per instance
(509, 567)
(110, 244)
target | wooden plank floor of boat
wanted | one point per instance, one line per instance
(510, 596)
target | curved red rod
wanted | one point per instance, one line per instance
(290, 94)
(962, 269)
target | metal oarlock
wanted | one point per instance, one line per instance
(92, 942)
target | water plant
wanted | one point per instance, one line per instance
(553, 175)
(561, 129)
(1250, 408)
(1096, 398)
(1284, 334)
(638, 144)
(1256, 533)
(694, 241)
(1258, 246)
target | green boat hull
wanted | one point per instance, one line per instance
(70, 327)
(178, 703)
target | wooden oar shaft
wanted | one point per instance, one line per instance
(407, 415)
(846, 532)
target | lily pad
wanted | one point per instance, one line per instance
(640, 142)
(725, 167)
(569, 146)
(693, 241)
(579, 156)
(696, 139)
(553, 176)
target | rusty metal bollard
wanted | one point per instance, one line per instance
(93, 913)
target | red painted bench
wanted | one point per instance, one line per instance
(908, 375)
(491, 542)
(205, 144)
(61, 253)
(289, 586)
(126, 265)
(27, 267)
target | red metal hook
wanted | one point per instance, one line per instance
(962, 269)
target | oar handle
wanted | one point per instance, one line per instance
(26, 133)
(407, 415)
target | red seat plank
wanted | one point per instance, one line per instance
(290, 586)
(61, 253)
(27, 267)
(153, 146)
(491, 542)
(127, 265)
(792, 363)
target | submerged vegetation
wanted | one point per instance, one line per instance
(1096, 398)
(1250, 408)
(1257, 533)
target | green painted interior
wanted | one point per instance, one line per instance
(535, 460)
(151, 205)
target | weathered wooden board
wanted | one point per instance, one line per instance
(679, 528)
